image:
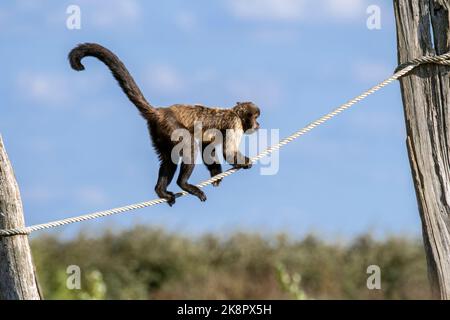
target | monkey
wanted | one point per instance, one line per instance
(162, 122)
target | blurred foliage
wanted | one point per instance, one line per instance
(291, 283)
(146, 263)
(94, 288)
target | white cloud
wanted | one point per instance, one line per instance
(267, 9)
(57, 90)
(104, 14)
(87, 195)
(295, 10)
(275, 36)
(27, 5)
(165, 79)
(111, 13)
(186, 21)
(43, 88)
(258, 91)
(345, 9)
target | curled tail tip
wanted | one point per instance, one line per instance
(75, 63)
(79, 52)
(79, 68)
(75, 56)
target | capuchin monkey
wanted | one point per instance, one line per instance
(164, 122)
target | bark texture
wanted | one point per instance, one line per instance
(17, 275)
(423, 29)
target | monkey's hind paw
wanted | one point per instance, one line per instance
(171, 202)
(201, 195)
(170, 199)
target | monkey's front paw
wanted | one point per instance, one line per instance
(243, 165)
(217, 183)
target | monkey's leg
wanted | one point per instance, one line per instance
(166, 173)
(186, 170)
(211, 162)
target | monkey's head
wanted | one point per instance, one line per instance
(248, 112)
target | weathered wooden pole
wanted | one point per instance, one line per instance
(17, 275)
(423, 29)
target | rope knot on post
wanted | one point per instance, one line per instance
(400, 71)
(443, 59)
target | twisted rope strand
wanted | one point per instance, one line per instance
(400, 71)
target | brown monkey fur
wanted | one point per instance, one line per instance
(162, 122)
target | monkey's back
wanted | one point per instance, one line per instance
(210, 118)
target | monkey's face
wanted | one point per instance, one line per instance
(248, 112)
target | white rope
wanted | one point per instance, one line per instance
(401, 70)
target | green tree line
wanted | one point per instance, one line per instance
(148, 263)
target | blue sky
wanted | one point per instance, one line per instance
(78, 145)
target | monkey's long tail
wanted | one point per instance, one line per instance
(118, 69)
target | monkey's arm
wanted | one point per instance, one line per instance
(211, 161)
(231, 151)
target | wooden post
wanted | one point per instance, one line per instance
(17, 275)
(423, 29)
